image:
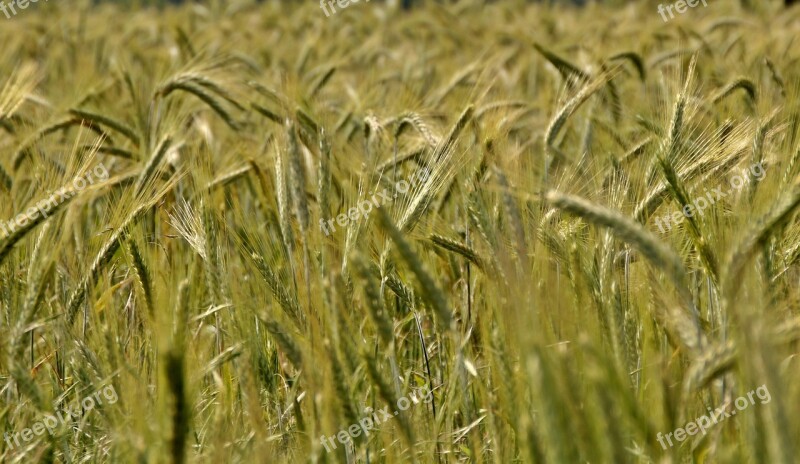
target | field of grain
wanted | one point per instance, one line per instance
(237, 232)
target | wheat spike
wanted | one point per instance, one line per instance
(374, 301)
(631, 232)
(432, 294)
(714, 361)
(142, 273)
(764, 228)
(738, 83)
(457, 247)
(107, 252)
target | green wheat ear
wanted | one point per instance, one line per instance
(388, 396)
(458, 248)
(285, 341)
(274, 117)
(431, 292)
(58, 201)
(441, 165)
(713, 362)
(738, 83)
(140, 269)
(772, 223)
(629, 231)
(635, 59)
(561, 116)
(415, 120)
(174, 368)
(205, 89)
(283, 198)
(374, 302)
(107, 251)
(340, 384)
(320, 82)
(572, 74)
(152, 164)
(297, 183)
(288, 303)
(23, 151)
(100, 119)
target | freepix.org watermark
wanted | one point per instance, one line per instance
(13, 5)
(50, 422)
(340, 3)
(680, 7)
(714, 417)
(44, 206)
(345, 436)
(709, 198)
(366, 206)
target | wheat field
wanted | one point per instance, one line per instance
(535, 257)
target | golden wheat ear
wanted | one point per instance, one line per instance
(658, 253)
(17, 88)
